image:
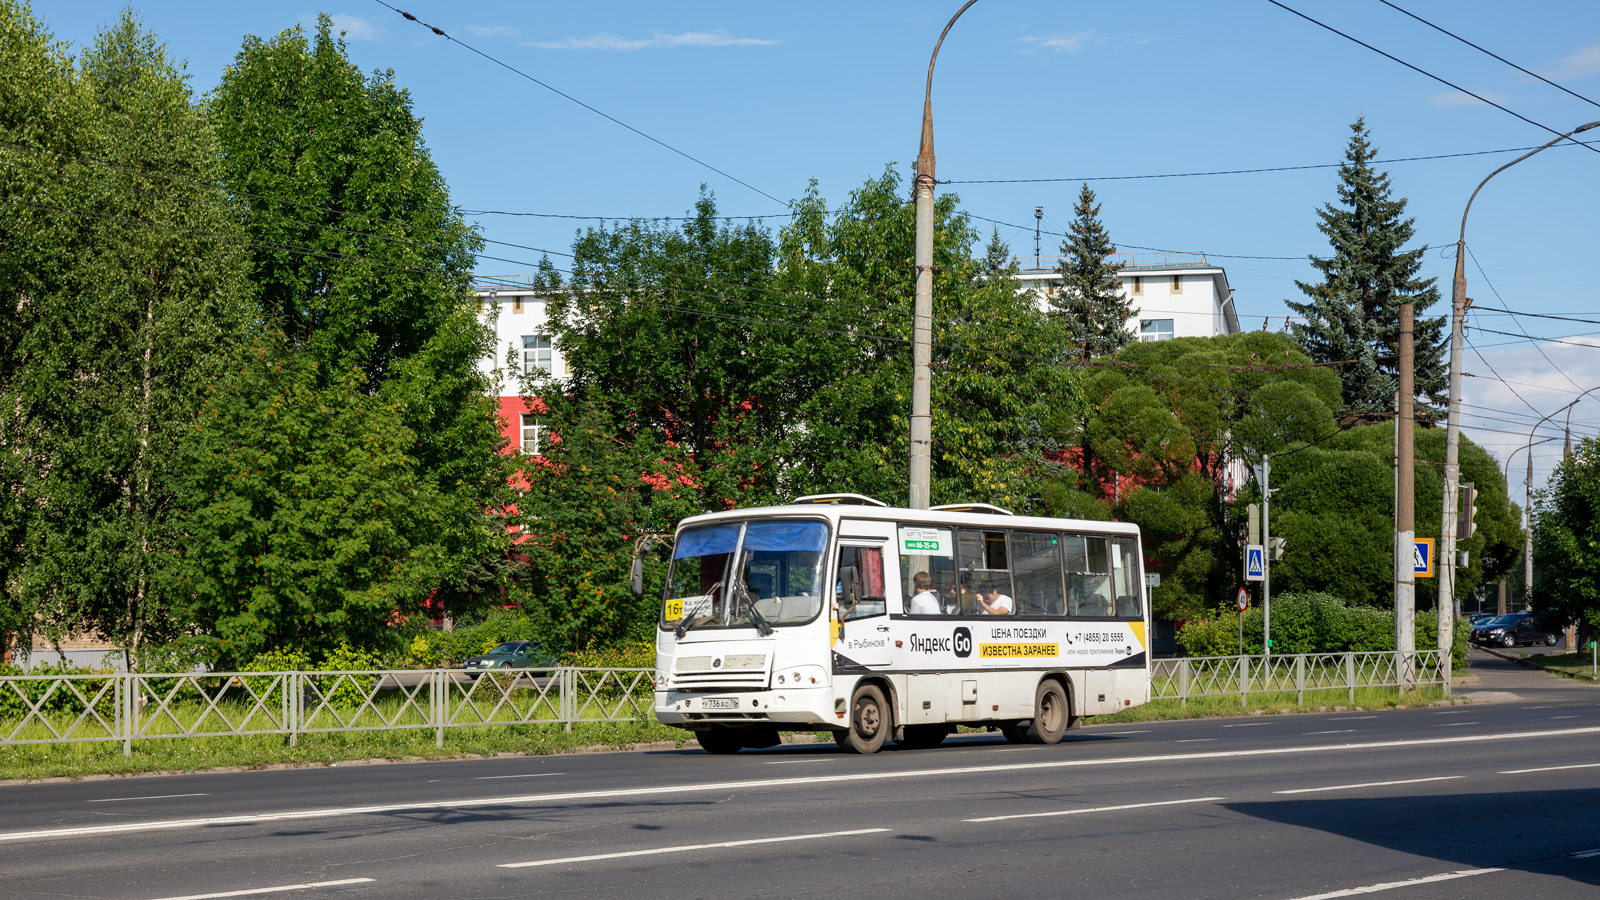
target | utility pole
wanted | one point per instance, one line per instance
(921, 463)
(1527, 546)
(1264, 478)
(1405, 509)
(1452, 466)
(1038, 218)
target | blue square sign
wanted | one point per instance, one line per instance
(1255, 562)
(1422, 557)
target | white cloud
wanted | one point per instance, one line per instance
(1495, 416)
(1061, 43)
(654, 41)
(1584, 62)
(356, 28)
(1457, 98)
(490, 31)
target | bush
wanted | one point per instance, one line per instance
(1313, 622)
(627, 656)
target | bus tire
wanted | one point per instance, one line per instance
(720, 741)
(1051, 713)
(923, 737)
(869, 722)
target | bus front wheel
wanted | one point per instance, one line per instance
(869, 722)
(1051, 714)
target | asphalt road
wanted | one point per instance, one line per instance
(1486, 800)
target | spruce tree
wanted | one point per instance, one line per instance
(1090, 300)
(1353, 314)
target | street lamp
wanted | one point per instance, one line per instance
(1527, 546)
(1452, 466)
(921, 474)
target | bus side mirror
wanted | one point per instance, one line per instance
(638, 566)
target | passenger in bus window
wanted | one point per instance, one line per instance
(995, 603)
(971, 601)
(925, 602)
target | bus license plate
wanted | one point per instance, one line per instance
(720, 703)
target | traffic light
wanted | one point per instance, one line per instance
(1275, 549)
(1465, 526)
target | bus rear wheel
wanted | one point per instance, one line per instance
(869, 722)
(1051, 714)
(720, 741)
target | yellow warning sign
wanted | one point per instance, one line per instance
(1017, 651)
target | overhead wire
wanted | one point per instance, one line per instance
(1425, 72)
(1497, 56)
(554, 90)
(1515, 318)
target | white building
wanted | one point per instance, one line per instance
(524, 344)
(1174, 294)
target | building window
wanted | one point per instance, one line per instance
(532, 435)
(536, 354)
(1155, 329)
(1177, 284)
(516, 303)
(1138, 284)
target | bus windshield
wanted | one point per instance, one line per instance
(736, 574)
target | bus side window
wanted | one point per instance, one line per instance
(866, 564)
(1126, 580)
(927, 549)
(1037, 558)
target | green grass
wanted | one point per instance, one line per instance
(1574, 665)
(251, 751)
(1334, 700)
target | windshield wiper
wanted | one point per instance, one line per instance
(686, 623)
(756, 618)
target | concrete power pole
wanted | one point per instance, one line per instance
(920, 473)
(1405, 507)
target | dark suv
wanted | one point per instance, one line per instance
(1513, 629)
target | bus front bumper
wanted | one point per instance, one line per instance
(796, 707)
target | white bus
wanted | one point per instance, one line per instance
(839, 613)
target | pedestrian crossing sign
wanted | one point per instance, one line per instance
(1422, 557)
(1254, 562)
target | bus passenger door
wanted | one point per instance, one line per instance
(860, 603)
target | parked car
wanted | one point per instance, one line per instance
(510, 655)
(1513, 629)
(1477, 619)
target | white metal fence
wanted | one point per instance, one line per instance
(123, 707)
(1298, 674)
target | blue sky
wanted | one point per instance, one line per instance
(776, 95)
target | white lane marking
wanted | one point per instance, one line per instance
(790, 762)
(1391, 885)
(809, 781)
(1551, 769)
(273, 890)
(532, 775)
(1146, 731)
(154, 797)
(1248, 725)
(1194, 740)
(1453, 724)
(1350, 787)
(687, 848)
(1335, 731)
(1455, 712)
(1526, 708)
(1560, 717)
(1075, 812)
(1350, 718)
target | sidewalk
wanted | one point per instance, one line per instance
(1494, 678)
